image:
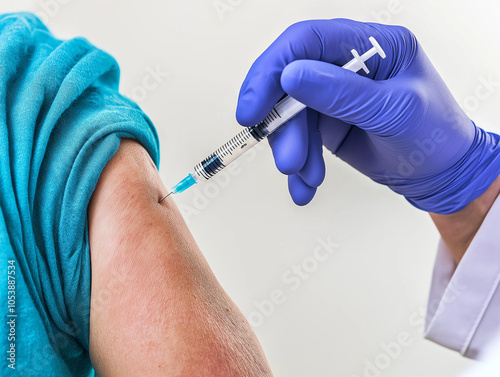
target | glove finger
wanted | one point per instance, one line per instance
(289, 144)
(313, 172)
(326, 40)
(333, 132)
(341, 94)
(300, 191)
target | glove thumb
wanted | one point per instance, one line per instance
(336, 92)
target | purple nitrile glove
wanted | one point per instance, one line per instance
(399, 125)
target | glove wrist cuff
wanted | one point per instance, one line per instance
(465, 181)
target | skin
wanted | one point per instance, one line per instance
(156, 307)
(458, 229)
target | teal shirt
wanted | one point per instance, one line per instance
(61, 120)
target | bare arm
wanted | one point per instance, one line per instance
(459, 228)
(156, 307)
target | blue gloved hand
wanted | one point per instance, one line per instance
(399, 125)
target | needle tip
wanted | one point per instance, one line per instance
(165, 196)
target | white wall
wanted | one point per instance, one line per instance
(373, 288)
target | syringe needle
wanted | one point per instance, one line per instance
(165, 196)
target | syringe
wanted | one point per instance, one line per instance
(284, 110)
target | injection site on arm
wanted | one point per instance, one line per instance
(157, 309)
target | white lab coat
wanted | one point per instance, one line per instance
(490, 367)
(464, 304)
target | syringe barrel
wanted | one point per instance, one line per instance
(230, 151)
(284, 110)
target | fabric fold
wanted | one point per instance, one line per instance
(61, 120)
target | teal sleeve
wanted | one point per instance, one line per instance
(61, 120)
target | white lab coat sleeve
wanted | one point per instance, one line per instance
(490, 367)
(463, 311)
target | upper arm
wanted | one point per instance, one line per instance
(156, 307)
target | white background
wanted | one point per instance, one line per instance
(373, 288)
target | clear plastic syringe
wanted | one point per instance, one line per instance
(284, 110)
